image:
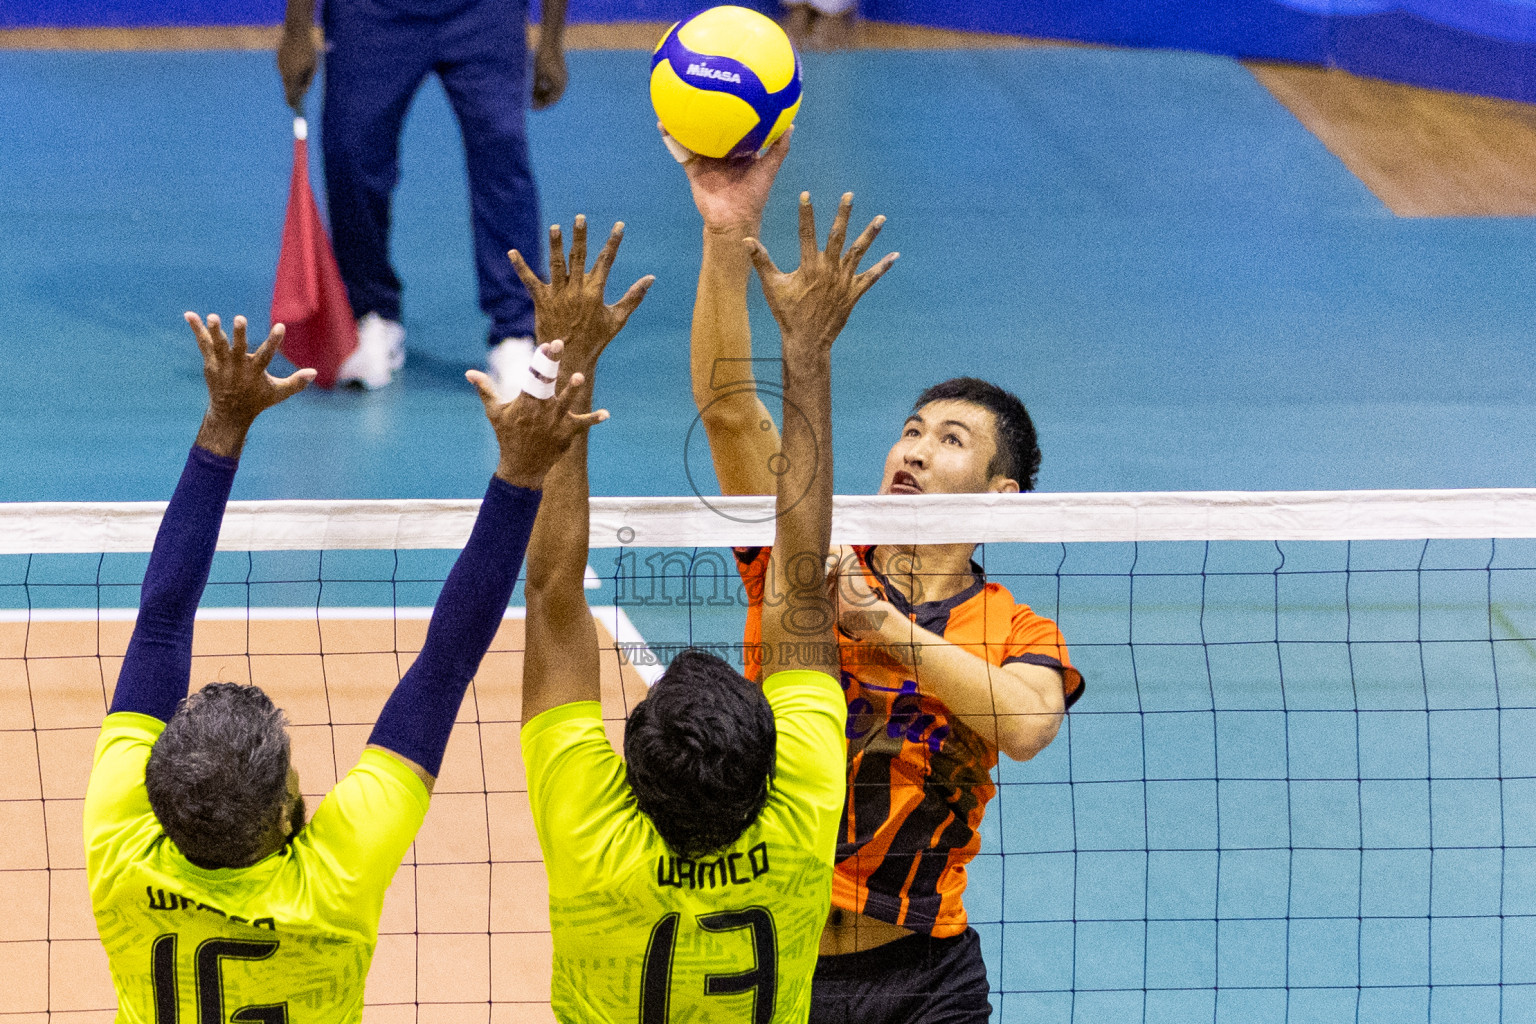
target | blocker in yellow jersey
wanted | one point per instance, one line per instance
(214, 899)
(289, 938)
(690, 880)
(731, 937)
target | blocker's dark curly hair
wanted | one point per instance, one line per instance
(218, 775)
(1018, 448)
(699, 753)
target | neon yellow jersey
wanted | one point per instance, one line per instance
(287, 939)
(641, 935)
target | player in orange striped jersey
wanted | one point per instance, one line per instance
(941, 668)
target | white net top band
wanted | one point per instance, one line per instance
(415, 524)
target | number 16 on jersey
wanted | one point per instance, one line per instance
(209, 963)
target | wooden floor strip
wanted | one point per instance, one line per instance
(1423, 152)
(629, 35)
(240, 37)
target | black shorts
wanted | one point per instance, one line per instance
(915, 980)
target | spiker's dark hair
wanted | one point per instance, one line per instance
(699, 753)
(1018, 449)
(218, 775)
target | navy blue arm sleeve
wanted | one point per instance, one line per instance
(419, 715)
(158, 667)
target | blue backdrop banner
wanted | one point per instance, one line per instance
(1478, 46)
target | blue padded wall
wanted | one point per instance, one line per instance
(138, 14)
(1476, 46)
(1245, 28)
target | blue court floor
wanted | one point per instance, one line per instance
(1185, 287)
(1300, 785)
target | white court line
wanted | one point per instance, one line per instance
(300, 614)
(634, 647)
(636, 650)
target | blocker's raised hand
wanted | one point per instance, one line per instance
(239, 386)
(812, 304)
(534, 432)
(570, 307)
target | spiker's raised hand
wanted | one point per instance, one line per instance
(731, 194)
(570, 307)
(813, 303)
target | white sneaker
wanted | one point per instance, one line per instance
(507, 362)
(380, 351)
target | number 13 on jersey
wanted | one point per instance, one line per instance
(761, 980)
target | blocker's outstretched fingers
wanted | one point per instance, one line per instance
(543, 370)
(568, 397)
(760, 258)
(578, 266)
(294, 383)
(200, 332)
(865, 281)
(588, 420)
(270, 346)
(557, 270)
(865, 240)
(567, 394)
(636, 294)
(839, 232)
(808, 249)
(525, 272)
(216, 333)
(486, 390)
(609, 253)
(239, 345)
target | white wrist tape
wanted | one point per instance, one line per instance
(682, 154)
(542, 372)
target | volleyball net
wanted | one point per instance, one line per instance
(1301, 785)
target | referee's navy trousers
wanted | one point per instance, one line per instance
(378, 54)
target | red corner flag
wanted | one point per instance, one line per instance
(309, 296)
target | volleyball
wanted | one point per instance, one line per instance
(726, 82)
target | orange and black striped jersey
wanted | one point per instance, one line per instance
(918, 778)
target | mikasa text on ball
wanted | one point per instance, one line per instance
(726, 82)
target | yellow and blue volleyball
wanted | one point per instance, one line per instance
(726, 82)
